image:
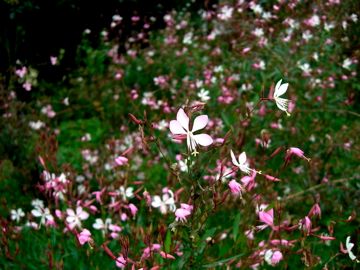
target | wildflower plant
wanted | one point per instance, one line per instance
(168, 151)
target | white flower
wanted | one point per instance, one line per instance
(259, 32)
(43, 213)
(347, 63)
(307, 35)
(281, 103)
(268, 255)
(188, 38)
(328, 26)
(305, 67)
(354, 17)
(241, 162)
(225, 13)
(74, 218)
(165, 203)
(36, 125)
(101, 225)
(37, 203)
(126, 193)
(203, 95)
(256, 8)
(349, 247)
(17, 214)
(180, 126)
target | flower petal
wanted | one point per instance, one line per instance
(200, 122)
(281, 90)
(233, 158)
(203, 139)
(183, 119)
(36, 212)
(242, 158)
(176, 128)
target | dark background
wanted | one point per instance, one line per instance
(33, 30)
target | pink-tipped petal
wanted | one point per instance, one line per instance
(266, 217)
(183, 119)
(203, 139)
(176, 128)
(200, 122)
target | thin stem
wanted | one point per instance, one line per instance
(299, 194)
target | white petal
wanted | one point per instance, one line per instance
(156, 202)
(70, 219)
(282, 104)
(277, 86)
(176, 128)
(233, 158)
(281, 90)
(242, 158)
(200, 122)
(70, 212)
(36, 212)
(183, 119)
(203, 139)
(84, 215)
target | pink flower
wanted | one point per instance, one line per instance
(180, 126)
(276, 257)
(295, 151)
(183, 212)
(53, 60)
(315, 211)
(27, 86)
(121, 262)
(74, 218)
(187, 206)
(305, 224)
(84, 236)
(235, 187)
(21, 72)
(133, 209)
(267, 217)
(121, 160)
(249, 181)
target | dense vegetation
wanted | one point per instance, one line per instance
(105, 166)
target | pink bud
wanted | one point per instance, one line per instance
(166, 256)
(121, 160)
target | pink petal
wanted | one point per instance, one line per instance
(183, 119)
(176, 128)
(200, 122)
(203, 139)
(266, 218)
